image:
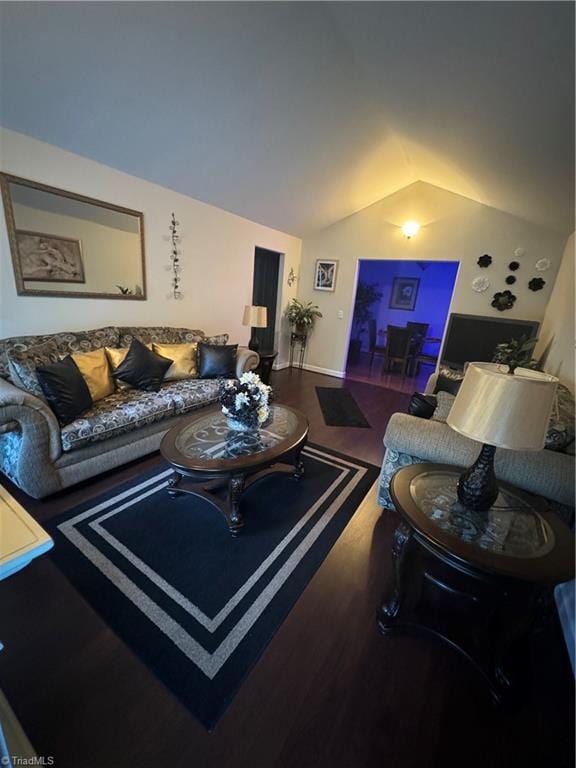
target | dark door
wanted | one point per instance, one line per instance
(265, 293)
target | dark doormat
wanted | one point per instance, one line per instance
(339, 408)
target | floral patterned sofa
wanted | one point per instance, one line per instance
(42, 457)
(547, 473)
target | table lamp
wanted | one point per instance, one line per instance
(255, 317)
(500, 410)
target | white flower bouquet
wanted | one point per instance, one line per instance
(245, 403)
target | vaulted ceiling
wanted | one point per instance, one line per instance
(298, 114)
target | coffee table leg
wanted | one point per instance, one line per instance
(234, 518)
(298, 465)
(402, 537)
(173, 484)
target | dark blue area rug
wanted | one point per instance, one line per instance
(197, 605)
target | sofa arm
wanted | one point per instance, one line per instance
(545, 473)
(21, 410)
(246, 360)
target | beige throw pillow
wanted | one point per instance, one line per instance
(184, 357)
(95, 370)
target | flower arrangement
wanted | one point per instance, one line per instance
(245, 403)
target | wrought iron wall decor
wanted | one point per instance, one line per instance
(510, 280)
(513, 266)
(175, 255)
(503, 300)
(536, 284)
(484, 261)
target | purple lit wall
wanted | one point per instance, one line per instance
(437, 280)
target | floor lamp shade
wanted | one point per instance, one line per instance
(500, 410)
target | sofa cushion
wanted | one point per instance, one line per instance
(142, 368)
(560, 432)
(66, 342)
(444, 403)
(160, 334)
(127, 410)
(95, 369)
(65, 389)
(24, 362)
(184, 360)
(217, 360)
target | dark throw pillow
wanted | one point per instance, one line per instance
(65, 389)
(422, 406)
(142, 368)
(216, 360)
(451, 384)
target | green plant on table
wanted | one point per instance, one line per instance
(302, 315)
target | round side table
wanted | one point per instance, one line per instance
(478, 581)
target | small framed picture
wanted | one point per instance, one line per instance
(404, 293)
(325, 275)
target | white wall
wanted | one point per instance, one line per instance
(217, 253)
(454, 228)
(557, 332)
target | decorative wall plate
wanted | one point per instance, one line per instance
(503, 300)
(519, 252)
(542, 265)
(536, 284)
(513, 266)
(480, 284)
(484, 261)
(510, 280)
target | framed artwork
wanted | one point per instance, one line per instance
(49, 258)
(325, 275)
(404, 293)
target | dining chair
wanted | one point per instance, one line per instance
(374, 347)
(397, 348)
(418, 331)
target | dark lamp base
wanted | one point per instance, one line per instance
(477, 487)
(254, 344)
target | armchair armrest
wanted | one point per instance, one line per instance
(545, 473)
(246, 360)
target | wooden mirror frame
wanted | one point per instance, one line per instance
(5, 180)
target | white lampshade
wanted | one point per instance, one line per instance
(503, 409)
(255, 317)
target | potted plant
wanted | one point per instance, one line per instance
(302, 316)
(516, 353)
(367, 294)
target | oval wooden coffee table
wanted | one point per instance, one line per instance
(215, 463)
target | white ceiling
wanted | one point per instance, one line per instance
(298, 114)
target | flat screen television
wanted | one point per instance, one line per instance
(473, 338)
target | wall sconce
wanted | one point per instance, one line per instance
(410, 229)
(291, 277)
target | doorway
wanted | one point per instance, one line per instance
(265, 294)
(399, 317)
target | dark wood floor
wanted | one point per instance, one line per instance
(329, 691)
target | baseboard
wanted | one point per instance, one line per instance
(325, 371)
(280, 366)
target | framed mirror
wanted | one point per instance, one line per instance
(68, 245)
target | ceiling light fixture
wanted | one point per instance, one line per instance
(410, 229)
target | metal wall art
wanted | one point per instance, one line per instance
(503, 300)
(513, 266)
(542, 265)
(510, 280)
(484, 261)
(175, 254)
(480, 284)
(536, 284)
